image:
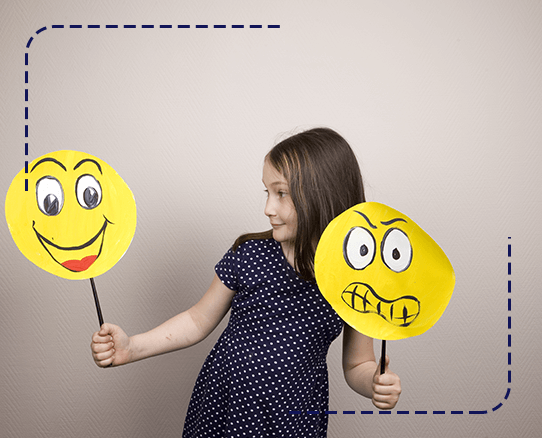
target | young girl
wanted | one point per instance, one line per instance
(271, 358)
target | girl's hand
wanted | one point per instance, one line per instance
(110, 346)
(386, 387)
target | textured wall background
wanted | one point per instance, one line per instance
(442, 102)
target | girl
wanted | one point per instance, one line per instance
(271, 358)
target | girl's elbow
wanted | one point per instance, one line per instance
(349, 378)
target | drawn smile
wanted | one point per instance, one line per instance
(400, 312)
(75, 258)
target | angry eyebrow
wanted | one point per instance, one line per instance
(43, 160)
(392, 221)
(366, 218)
(90, 160)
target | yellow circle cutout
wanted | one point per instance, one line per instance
(77, 218)
(383, 275)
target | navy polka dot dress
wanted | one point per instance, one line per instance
(271, 358)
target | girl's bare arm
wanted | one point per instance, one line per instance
(111, 346)
(358, 361)
(362, 373)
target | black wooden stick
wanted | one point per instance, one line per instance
(383, 358)
(98, 308)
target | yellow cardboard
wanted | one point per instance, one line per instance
(383, 275)
(77, 218)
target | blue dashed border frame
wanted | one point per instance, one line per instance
(470, 412)
(114, 26)
(276, 26)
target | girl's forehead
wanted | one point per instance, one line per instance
(271, 176)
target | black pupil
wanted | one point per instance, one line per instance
(50, 203)
(90, 197)
(364, 250)
(396, 254)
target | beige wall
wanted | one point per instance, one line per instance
(441, 101)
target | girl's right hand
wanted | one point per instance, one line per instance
(110, 346)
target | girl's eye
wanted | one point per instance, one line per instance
(359, 248)
(396, 250)
(88, 191)
(280, 194)
(49, 195)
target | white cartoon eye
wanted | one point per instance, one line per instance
(49, 195)
(396, 250)
(359, 248)
(88, 191)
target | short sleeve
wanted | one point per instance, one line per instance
(227, 270)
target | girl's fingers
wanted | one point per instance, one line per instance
(101, 338)
(387, 383)
(100, 357)
(382, 398)
(389, 378)
(386, 390)
(384, 401)
(105, 363)
(383, 390)
(100, 348)
(383, 406)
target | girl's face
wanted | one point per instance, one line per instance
(279, 207)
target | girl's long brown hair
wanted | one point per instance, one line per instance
(324, 180)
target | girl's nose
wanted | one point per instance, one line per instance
(269, 208)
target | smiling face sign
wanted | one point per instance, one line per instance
(77, 218)
(383, 275)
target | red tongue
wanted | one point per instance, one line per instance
(79, 265)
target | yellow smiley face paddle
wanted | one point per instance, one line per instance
(383, 275)
(77, 218)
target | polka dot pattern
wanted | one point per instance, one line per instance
(271, 358)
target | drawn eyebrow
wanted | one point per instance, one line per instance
(366, 218)
(392, 221)
(43, 160)
(92, 161)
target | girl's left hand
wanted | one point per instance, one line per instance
(386, 388)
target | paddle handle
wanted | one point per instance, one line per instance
(97, 302)
(383, 358)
